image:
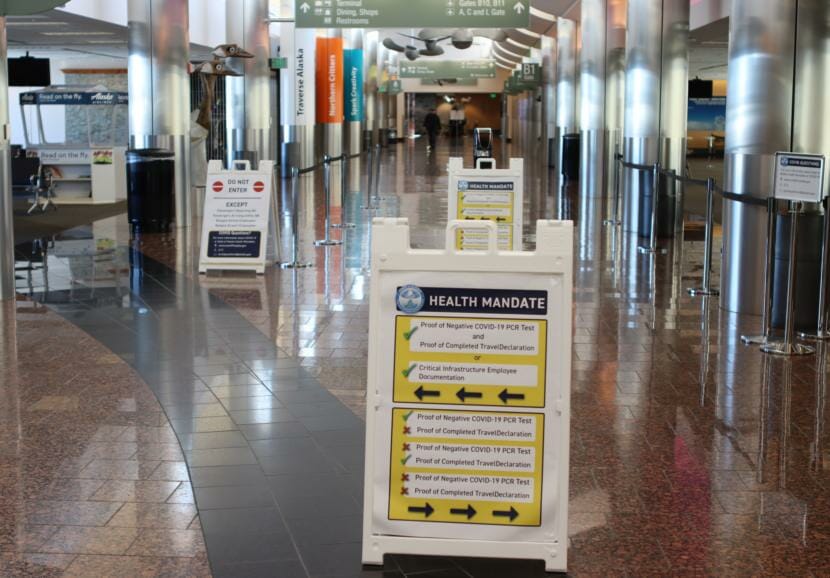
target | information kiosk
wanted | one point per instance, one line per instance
(468, 401)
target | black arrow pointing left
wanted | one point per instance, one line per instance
(464, 395)
(421, 393)
(506, 396)
(426, 510)
(511, 513)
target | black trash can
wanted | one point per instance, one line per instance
(150, 183)
(570, 157)
(808, 270)
(665, 208)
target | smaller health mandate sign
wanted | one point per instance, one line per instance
(467, 424)
(487, 195)
(799, 177)
(235, 224)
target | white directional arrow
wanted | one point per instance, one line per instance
(305, 7)
(519, 7)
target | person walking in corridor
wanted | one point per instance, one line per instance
(432, 124)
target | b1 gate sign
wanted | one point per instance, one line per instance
(467, 426)
(487, 195)
(235, 225)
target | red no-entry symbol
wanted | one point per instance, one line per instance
(259, 186)
(218, 186)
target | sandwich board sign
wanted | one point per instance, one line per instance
(495, 195)
(236, 217)
(799, 177)
(468, 407)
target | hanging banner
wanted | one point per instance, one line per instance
(353, 80)
(235, 224)
(469, 372)
(329, 80)
(304, 77)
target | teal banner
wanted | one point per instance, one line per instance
(353, 84)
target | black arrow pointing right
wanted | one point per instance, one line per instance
(511, 513)
(421, 393)
(469, 511)
(426, 510)
(464, 395)
(505, 396)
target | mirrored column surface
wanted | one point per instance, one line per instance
(6, 206)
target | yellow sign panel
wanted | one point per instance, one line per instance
(471, 361)
(491, 202)
(466, 467)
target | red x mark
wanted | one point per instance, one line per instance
(406, 447)
(404, 477)
(404, 491)
(406, 430)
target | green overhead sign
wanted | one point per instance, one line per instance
(527, 77)
(412, 13)
(449, 83)
(444, 69)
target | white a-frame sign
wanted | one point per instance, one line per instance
(468, 402)
(237, 210)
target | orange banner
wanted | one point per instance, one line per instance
(329, 80)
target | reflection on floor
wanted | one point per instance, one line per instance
(691, 454)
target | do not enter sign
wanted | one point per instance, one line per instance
(217, 187)
(259, 186)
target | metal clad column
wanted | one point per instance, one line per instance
(6, 214)
(565, 83)
(249, 96)
(674, 102)
(370, 87)
(159, 87)
(592, 98)
(759, 108)
(614, 85)
(642, 103)
(548, 44)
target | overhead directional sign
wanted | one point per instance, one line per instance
(449, 69)
(412, 13)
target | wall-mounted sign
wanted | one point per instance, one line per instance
(329, 80)
(280, 63)
(412, 13)
(394, 87)
(441, 69)
(467, 429)
(353, 84)
(799, 177)
(304, 77)
(235, 224)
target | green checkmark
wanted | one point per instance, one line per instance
(406, 416)
(411, 368)
(408, 334)
(406, 459)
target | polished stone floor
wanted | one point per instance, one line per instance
(691, 454)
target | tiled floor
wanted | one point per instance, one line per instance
(691, 454)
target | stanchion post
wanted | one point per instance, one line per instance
(655, 196)
(295, 225)
(789, 346)
(615, 220)
(344, 187)
(766, 314)
(370, 175)
(822, 333)
(377, 196)
(327, 241)
(709, 234)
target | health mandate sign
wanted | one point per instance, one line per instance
(469, 376)
(235, 225)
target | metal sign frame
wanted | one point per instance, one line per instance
(549, 267)
(514, 174)
(800, 190)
